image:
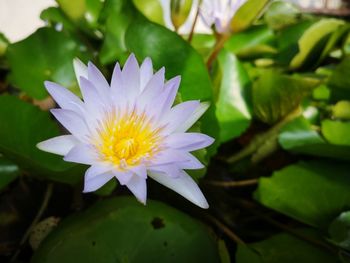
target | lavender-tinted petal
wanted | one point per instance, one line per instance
(146, 73)
(98, 80)
(72, 122)
(64, 98)
(80, 69)
(183, 185)
(60, 145)
(139, 170)
(169, 170)
(179, 114)
(192, 163)
(153, 88)
(131, 77)
(123, 176)
(188, 141)
(137, 185)
(169, 156)
(193, 117)
(95, 180)
(82, 153)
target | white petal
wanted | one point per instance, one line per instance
(64, 98)
(189, 141)
(98, 80)
(96, 170)
(94, 181)
(117, 89)
(192, 163)
(169, 169)
(199, 111)
(80, 69)
(72, 122)
(122, 176)
(82, 153)
(131, 77)
(179, 114)
(139, 170)
(153, 88)
(60, 145)
(183, 185)
(169, 156)
(146, 73)
(137, 185)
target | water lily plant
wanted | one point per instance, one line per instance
(129, 129)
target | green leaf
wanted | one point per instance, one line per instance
(3, 44)
(22, 127)
(311, 192)
(254, 42)
(203, 44)
(339, 80)
(299, 136)
(341, 110)
(247, 14)
(287, 40)
(336, 132)
(123, 230)
(54, 16)
(232, 110)
(339, 230)
(117, 16)
(314, 40)
(147, 39)
(283, 248)
(275, 94)
(281, 14)
(8, 172)
(152, 9)
(75, 10)
(44, 55)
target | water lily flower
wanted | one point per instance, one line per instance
(219, 13)
(129, 129)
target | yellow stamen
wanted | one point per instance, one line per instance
(129, 139)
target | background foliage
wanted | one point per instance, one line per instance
(278, 179)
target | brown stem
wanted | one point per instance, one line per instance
(225, 229)
(190, 36)
(36, 219)
(232, 183)
(218, 46)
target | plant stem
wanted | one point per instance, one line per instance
(260, 139)
(225, 229)
(218, 46)
(190, 36)
(36, 219)
(232, 183)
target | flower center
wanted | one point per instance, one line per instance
(128, 139)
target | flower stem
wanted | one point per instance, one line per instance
(36, 219)
(190, 36)
(218, 46)
(260, 140)
(232, 183)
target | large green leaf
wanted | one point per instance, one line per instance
(123, 230)
(117, 16)
(22, 127)
(232, 110)
(339, 80)
(313, 192)
(314, 40)
(247, 14)
(44, 55)
(336, 132)
(275, 94)
(152, 9)
(299, 136)
(283, 248)
(339, 230)
(147, 39)
(254, 42)
(8, 172)
(281, 14)
(75, 10)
